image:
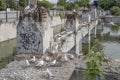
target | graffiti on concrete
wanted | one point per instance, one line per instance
(30, 40)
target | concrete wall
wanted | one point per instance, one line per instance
(114, 19)
(7, 31)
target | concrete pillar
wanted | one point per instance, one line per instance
(77, 36)
(89, 32)
(95, 31)
(80, 46)
(95, 12)
(89, 39)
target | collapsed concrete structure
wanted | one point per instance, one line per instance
(35, 32)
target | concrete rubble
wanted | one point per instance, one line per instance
(18, 70)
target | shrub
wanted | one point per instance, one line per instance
(2, 4)
(93, 63)
(115, 11)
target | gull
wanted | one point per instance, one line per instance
(47, 58)
(40, 63)
(48, 73)
(53, 51)
(53, 63)
(33, 59)
(65, 58)
(27, 62)
(71, 56)
(56, 47)
(28, 7)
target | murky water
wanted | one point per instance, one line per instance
(110, 38)
(6, 51)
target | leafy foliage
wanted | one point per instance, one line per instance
(97, 46)
(2, 4)
(82, 3)
(71, 6)
(115, 11)
(115, 28)
(93, 63)
(61, 2)
(11, 4)
(22, 3)
(45, 3)
(106, 4)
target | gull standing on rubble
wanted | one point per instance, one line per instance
(71, 56)
(65, 58)
(40, 63)
(53, 63)
(27, 62)
(47, 58)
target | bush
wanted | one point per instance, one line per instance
(106, 4)
(115, 11)
(22, 3)
(45, 4)
(93, 63)
(2, 5)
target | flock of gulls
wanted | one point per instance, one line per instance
(49, 61)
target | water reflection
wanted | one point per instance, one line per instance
(107, 42)
(110, 38)
(6, 51)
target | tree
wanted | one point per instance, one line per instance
(22, 3)
(106, 4)
(46, 4)
(82, 3)
(115, 10)
(69, 6)
(11, 4)
(61, 2)
(76, 6)
(2, 4)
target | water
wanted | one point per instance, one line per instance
(110, 38)
(6, 51)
